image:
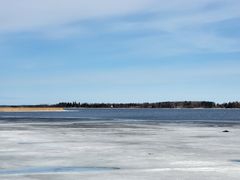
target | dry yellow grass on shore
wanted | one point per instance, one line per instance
(30, 109)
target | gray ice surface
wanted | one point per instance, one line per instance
(118, 151)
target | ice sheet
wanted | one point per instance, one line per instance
(136, 151)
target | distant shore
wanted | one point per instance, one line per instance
(62, 106)
(30, 109)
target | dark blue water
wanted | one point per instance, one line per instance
(165, 115)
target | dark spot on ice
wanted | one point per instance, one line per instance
(47, 170)
(225, 131)
(236, 160)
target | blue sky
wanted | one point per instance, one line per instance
(119, 51)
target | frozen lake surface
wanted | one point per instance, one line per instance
(50, 170)
(120, 145)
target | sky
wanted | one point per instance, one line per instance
(119, 51)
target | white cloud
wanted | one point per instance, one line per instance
(185, 28)
(183, 20)
(23, 15)
(18, 15)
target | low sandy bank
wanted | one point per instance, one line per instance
(31, 109)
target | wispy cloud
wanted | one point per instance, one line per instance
(185, 22)
(31, 15)
(27, 14)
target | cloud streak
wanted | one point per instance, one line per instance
(27, 14)
(23, 15)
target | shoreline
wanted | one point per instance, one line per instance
(61, 109)
(31, 109)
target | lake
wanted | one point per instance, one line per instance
(120, 144)
(158, 115)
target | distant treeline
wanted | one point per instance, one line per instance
(182, 104)
(178, 104)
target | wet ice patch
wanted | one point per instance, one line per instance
(49, 170)
(236, 160)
